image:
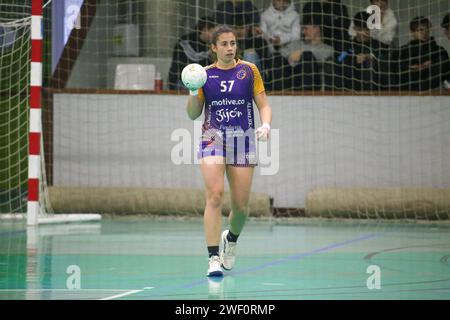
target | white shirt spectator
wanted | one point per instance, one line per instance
(388, 29)
(284, 24)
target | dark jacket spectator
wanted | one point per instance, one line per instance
(363, 58)
(423, 63)
(191, 48)
(446, 26)
(335, 21)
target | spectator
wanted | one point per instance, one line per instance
(280, 24)
(362, 61)
(230, 11)
(191, 48)
(252, 48)
(389, 24)
(335, 21)
(446, 26)
(423, 64)
(306, 58)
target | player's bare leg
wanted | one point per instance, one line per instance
(213, 169)
(240, 181)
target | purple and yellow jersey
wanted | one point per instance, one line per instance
(228, 128)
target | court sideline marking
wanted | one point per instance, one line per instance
(275, 262)
(126, 293)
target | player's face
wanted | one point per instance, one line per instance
(225, 47)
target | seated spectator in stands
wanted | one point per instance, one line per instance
(389, 24)
(335, 21)
(280, 24)
(305, 58)
(191, 48)
(230, 11)
(423, 63)
(363, 58)
(251, 48)
(446, 26)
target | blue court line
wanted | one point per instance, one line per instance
(273, 263)
(11, 233)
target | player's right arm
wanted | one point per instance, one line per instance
(195, 104)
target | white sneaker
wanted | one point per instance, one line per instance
(214, 269)
(227, 252)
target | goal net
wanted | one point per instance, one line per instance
(23, 183)
(360, 111)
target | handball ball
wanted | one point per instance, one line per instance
(193, 76)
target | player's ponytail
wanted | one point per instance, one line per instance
(215, 36)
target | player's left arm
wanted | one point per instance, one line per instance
(265, 112)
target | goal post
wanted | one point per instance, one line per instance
(34, 140)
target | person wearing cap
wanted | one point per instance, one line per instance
(363, 58)
(389, 24)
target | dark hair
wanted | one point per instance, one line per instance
(205, 23)
(445, 22)
(312, 20)
(360, 20)
(419, 21)
(215, 36)
(220, 30)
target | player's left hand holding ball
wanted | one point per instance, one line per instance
(262, 133)
(193, 77)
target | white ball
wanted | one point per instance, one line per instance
(193, 76)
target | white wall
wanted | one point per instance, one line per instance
(125, 140)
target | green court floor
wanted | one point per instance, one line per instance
(156, 258)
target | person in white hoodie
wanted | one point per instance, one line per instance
(280, 24)
(389, 24)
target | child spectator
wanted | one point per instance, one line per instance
(280, 24)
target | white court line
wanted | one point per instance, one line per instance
(125, 294)
(61, 290)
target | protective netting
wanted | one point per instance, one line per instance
(355, 106)
(14, 89)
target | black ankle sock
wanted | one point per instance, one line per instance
(232, 237)
(213, 251)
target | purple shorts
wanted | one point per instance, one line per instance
(238, 150)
